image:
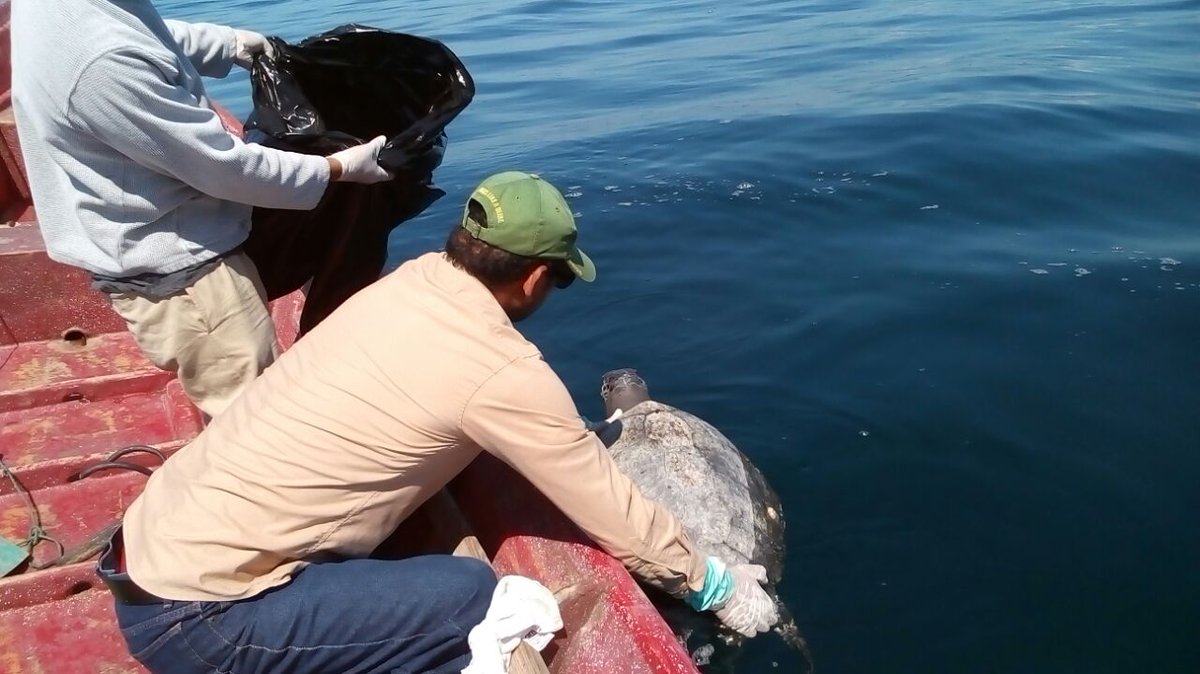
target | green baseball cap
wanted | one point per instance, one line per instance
(528, 216)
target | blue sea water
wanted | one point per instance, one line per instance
(933, 265)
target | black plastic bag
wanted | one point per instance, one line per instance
(334, 91)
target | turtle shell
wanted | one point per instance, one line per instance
(683, 463)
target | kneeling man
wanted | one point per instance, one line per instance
(249, 550)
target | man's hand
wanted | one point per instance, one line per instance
(598, 426)
(749, 610)
(248, 44)
(359, 164)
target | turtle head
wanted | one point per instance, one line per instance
(622, 390)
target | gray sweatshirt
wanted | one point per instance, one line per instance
(131, 170)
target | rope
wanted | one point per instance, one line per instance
(93, 544)
(36, 533)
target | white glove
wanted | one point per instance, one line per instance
(360, 164)
(598, 427)
(749, 610)
(247, 45)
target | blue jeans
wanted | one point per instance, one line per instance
(356, 616)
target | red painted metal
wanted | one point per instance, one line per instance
(608, 623)
(41, 299)
(80, 631)
(74, 387)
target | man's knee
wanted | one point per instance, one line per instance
(480, 579)
(480, 576)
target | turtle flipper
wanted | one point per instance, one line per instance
(789, 631)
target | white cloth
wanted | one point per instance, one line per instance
(522, 610)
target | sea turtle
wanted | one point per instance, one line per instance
(725, 504)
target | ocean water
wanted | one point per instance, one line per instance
(933, 265)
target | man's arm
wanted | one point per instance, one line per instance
(123, 100)
(209, 47)
(525, 416)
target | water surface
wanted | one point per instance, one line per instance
(933, 265)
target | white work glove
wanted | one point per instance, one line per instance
(749, 610)
(360, 164)
(247, 44)
(598, 427)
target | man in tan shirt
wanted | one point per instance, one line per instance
(248, 551)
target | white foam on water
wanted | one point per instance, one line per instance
(879, 175)
(1056, 264)
(745, 186)
(624, 203)
(611, 188)
(1168, 261)
(1039, 271)
(930, 207)
(573, 195)
(1080, 271)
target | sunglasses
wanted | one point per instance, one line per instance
(562, 274)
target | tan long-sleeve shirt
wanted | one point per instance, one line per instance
(362, 420)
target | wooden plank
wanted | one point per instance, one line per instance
(444, 511)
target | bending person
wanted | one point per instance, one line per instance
(136, 180)
(249, 550)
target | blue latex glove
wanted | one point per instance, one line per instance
(718, 585)
(736, 595)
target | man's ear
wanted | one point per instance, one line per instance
(540, 273)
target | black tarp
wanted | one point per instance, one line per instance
(330, 92)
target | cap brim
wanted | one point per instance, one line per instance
(582, 265)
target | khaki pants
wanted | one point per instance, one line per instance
(216, 334)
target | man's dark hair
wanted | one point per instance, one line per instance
(491, 265)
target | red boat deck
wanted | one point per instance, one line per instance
(74, 387)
